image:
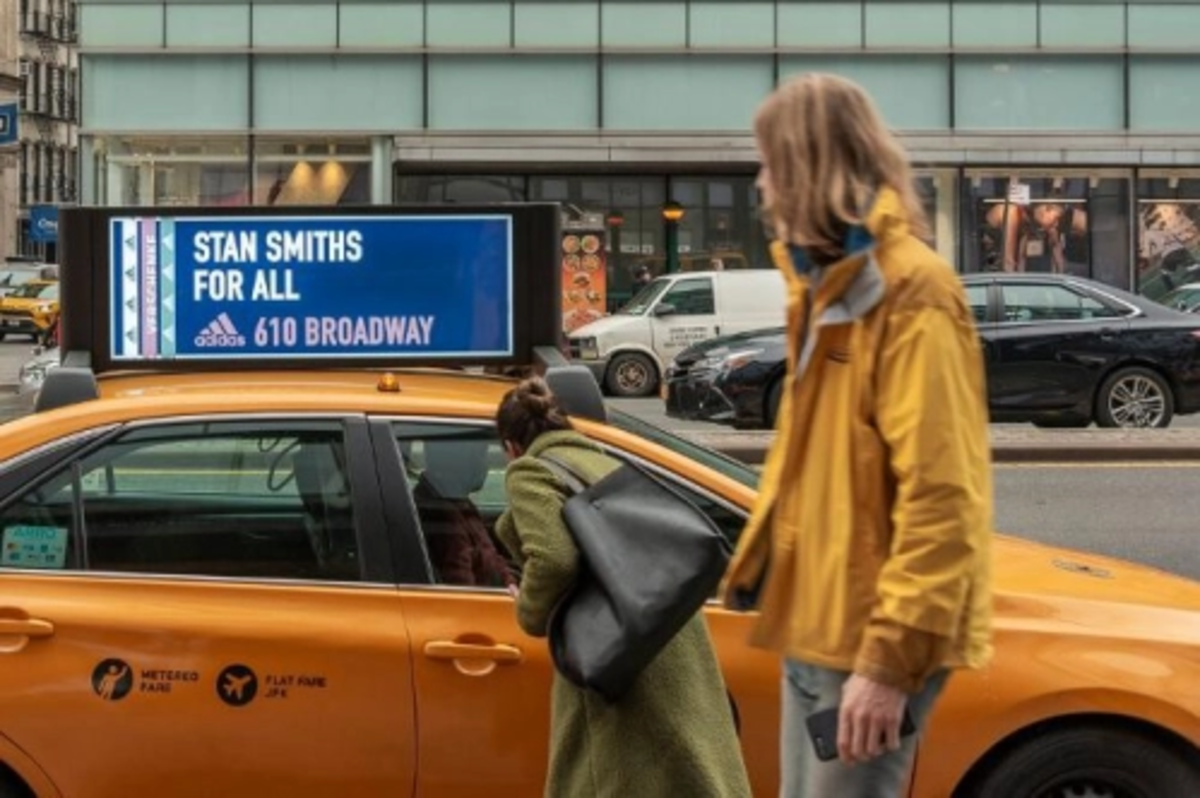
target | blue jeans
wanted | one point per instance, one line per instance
(808, 689)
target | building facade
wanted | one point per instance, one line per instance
(37, 45)
(1050, 136)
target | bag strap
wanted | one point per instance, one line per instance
(569, 475)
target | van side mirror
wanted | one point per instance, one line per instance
(664, 309)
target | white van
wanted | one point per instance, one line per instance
(629, 350)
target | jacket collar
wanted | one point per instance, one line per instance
(851, 287)
(549, 440)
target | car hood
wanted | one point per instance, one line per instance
(770, 336)
(1044, 586)
(24, 303)
(609, 325)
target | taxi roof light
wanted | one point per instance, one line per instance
(388, 383)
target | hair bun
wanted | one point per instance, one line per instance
(535, 396)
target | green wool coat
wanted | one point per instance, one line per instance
(673, 733)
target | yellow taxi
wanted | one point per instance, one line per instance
(29, 309)
(227, 584)
(230, 574)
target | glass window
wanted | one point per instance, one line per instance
(912, 91)
(671, 93)
(1082, 24)
(177, 92)
(720, 229)
(902, 24)
(459, 188)
(456, 475)
(131, 25)
(692, 297)
(977, 298)
(1035, 303)
(1168, 230)
(1163, 25)
(312, 24)
(297, 172)
(468, 24)
(716, 23)
(208, 25)
(341, 92)
(643, 24)
(259, 500)
(1162, 95)
(556, 24)
(487, 92)
(1064, 224)
(1039, 93)
(994, 24)
(151, 171)
(803, 23)
(1185, 298)
(391, 24)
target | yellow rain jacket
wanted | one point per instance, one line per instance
(868, 549)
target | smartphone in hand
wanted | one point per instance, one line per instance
(823, 729)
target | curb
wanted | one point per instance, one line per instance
(751, 449)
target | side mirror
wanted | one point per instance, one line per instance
(664, 309)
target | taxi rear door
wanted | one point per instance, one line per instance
(482, 684)
(206, 608)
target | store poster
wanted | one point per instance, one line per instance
(584, 277)
(1022, 234)
(1168, 246)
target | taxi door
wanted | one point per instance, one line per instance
(482, 685)
(203, 609)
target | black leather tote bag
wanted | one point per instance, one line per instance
(650, 561)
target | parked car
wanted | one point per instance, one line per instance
(1185, 298)
(629, 351)
(234, 570)
(1060, 352)
(30, 309)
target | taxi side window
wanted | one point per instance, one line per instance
(261, 500)
(456, 476)
(692, 297)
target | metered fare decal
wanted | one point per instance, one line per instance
(113, 679)
(235, 685)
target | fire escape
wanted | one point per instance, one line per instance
(48, 99)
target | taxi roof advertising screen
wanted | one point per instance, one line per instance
(344, 287)
(362, 286)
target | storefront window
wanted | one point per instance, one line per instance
(163, 171)
(720, 229)
(1168, 225)
(1073, 223)
(424, 189)
(318, 172)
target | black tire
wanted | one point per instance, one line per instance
(631, 374)
(1089, 761)
(771, 405)
(11, 785)
(1134, 397)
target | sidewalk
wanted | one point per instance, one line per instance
(1016, 444)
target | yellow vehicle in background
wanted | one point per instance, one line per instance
(30, 309)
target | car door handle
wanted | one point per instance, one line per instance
(447, 649)
(26, 627)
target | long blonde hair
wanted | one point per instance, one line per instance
(827, 151)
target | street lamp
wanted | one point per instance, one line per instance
(672, 213)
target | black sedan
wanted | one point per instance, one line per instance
(1061, 351)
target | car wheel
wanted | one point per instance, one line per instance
(774, 395)
(631, 374)
(1135, 398)
(1097, 762)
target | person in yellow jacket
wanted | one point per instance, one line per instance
(868, 553)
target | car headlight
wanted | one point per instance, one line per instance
(588, 348)
(725, 361)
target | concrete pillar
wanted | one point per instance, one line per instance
(381, 170)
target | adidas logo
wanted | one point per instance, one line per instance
(221, 333)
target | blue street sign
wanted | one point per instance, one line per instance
(8, 123)
(43, 223)
(280, 287)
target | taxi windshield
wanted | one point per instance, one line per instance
(47, 291)
(643, 299)
(723, 464)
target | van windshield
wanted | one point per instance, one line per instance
(643, 299)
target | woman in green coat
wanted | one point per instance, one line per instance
(672, 734)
